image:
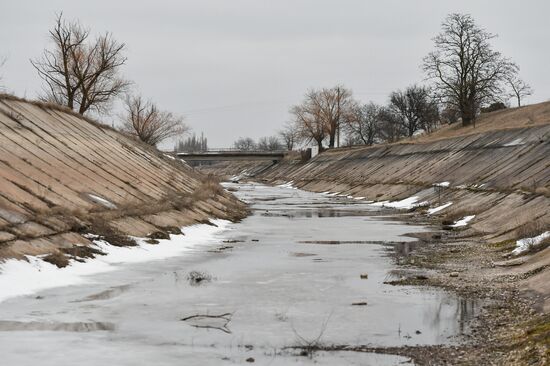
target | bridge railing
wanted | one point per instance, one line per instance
(234, 150)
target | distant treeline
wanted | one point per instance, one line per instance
(192, 144)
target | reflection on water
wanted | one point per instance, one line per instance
(7, 326)
(275, 282)
(309, 213)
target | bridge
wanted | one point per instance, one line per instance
(215, 155)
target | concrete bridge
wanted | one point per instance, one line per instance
(210, 156)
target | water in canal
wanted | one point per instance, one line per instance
(288, 275)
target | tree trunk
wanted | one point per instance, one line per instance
(466, 120)
(320, 145)
(468, 114)
(332, 138)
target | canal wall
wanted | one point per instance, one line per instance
(63, 177)
(502, 176)
(491, 187)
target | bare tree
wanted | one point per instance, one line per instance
(335, 104)
(467, 72)
(321, 114)
(449, 114)
(390, 127)
(289, 136)
(363, 126)
(270, 143)
(192, 144)
(309, 123)
(80, 74)
(415, 108)
(244, 144)
(519, 88)
(145, 121)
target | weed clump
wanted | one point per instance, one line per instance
(111, 235)
(197, 278)
(57, 259)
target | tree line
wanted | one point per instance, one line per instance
(267, 143)
(465, 76)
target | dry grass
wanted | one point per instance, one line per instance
(55, 107)
(82, 251)
(527, 116)
(58, 259)
(101, 227)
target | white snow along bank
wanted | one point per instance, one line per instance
(525, 244)
(431, 211)
(463, 221)
(18, 277)
(405, 204)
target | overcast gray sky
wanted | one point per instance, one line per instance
(233, 67)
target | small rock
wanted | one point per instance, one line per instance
(364, 276)
(421, 277)
(255, 240)
(453, 274)
(418, 332)
(360, 303)
(250, 359)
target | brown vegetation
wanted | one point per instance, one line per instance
(145, 121)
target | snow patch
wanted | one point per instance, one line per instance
(523, 245)
(239, 176)
(516, 142)
(431, 211)
(101, 200)
(442, 184)
(463, 221)
(406, 204)
(289, 185)
(18, 278)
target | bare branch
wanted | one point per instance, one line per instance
(145, 121)
(519, 88)
(79, 74)
(467, 72)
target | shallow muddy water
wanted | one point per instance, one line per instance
(288, 275)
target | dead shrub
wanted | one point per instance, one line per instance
(197, 278)
(82, 251)
(156, 235)
(57, 259)
(174, 230)
(101, 227)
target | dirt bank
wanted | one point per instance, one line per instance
(62, 176)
